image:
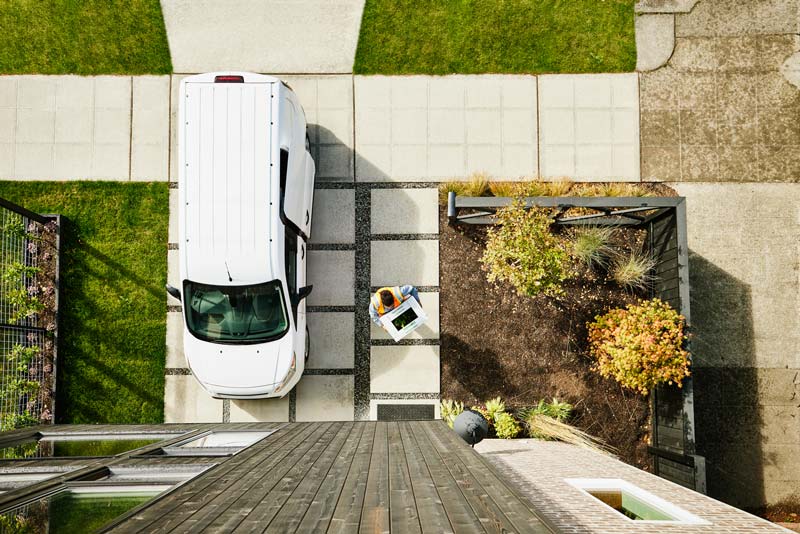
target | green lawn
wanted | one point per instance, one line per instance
(83, 37)
(113, 306)
(496, 36)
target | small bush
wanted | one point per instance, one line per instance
(591, 246)
(506, 426)
(632, 271)
(449, 410)
(523, 252)
(494, 407)
(640, 346)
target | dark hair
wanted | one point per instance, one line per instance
(387, 299)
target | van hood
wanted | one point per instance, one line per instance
(226, 367)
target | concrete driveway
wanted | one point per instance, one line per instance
(299, 36)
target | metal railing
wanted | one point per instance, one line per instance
(29, 266)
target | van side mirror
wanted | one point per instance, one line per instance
(303, 292)
(174, 291)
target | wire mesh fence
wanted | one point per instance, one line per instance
(29, 259)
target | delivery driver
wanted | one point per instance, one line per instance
(387, 298)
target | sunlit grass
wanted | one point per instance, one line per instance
(113, 307)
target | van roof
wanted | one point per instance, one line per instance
(227, 181)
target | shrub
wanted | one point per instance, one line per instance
(640, 346)
(477, 186)
(632, 271)
(591, 246)
(523, 252)
(449, 410)
(495, 407)
(506, 426)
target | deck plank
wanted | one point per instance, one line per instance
(458, 510)
(402, 505)
(270, 505)
(375, 513)
(490, 515)
(510, 503)
(225, 514)
(320, 511)
(297, 506)
(347, 515)
(187, 499)
(432, 516)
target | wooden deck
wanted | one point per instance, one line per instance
(341, 478)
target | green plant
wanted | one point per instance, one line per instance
(524, 253)
(545, 427)
(494, 407)
(449, 410)
(632, 271)
(591, 246)
(506, 426)
(17, 420)
(640, 346)
(21, 356)
(557, 410)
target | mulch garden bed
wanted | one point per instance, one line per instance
(496, 343)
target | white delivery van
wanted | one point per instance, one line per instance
(246, 189)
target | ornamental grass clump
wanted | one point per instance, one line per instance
(632, 271)
(591, 246)
(640, 346)
(523, 252)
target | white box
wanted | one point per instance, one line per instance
(410, 304)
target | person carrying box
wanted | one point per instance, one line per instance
(388, 298)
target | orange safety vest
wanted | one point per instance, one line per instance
(376, 298)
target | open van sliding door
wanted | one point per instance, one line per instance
(297, 189)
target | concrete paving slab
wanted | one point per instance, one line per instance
(173, 268)
(332, 272)
(260, 410)
(589, 126)
(325, 398)
(150, 128)
(306, 36)
(405, 262)
(430, 330)
(334, 217)
(405, 211)
(404, 369)
(417, 128)
(332, 345)
(185, 401)
(655, 40)
(175, 357)
(66, 127)
(373, 406)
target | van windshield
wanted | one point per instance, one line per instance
(235, 314)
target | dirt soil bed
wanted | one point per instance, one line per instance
(495, 343)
